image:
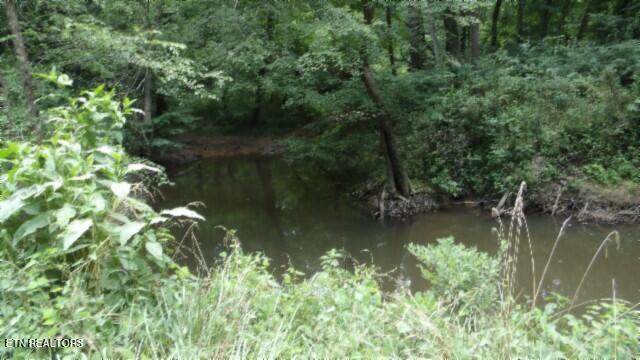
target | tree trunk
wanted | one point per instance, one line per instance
(4, 92)
(21, 55)
(147, 90)
(399, 178)
(392, 58)
(520, 20)
(452, 37)
(435, 42)
(147, 104)
(474, 38)
(464, 40)
(494, 24)
(257, 107)
(584, 21)
(417, 50)
(545, 18)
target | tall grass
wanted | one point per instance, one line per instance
(240, 310)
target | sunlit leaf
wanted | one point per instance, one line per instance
(121, 189)
(74, 231)
(127, 231)
(182, 212)
(64, 215)
(137, 167)
(154, 249)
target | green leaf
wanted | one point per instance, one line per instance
(64, 215)
(10, 206)
(29, 227)
(126, 231)
(98, 202)
(74, 231)
(154, 249)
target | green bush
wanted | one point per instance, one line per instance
(463, 276)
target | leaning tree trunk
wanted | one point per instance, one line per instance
(494, 24)
(21, 55)
(399, 178)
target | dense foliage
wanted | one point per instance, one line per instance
(460, 98)
(480, 94)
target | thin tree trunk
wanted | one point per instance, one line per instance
(452, 38)
(147, 91)
(4, 92)
(399, 178)
(147, 104)
(392, 58)
(21, 55)
(417, 50)
(474, 38)
(435, 42)
(494, 24)
(545, 18)
(584, 21)
(520, 20)
(257, 107)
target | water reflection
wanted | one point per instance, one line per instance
(295, 216)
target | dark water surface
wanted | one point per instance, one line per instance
(296, 216)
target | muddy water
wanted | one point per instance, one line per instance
(296, 216)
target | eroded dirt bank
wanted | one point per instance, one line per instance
(196, 147)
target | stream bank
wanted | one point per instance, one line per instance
(585, 202)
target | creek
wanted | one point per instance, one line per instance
(296, 216)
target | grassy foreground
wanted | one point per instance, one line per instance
(81, 256)
(241, 311)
